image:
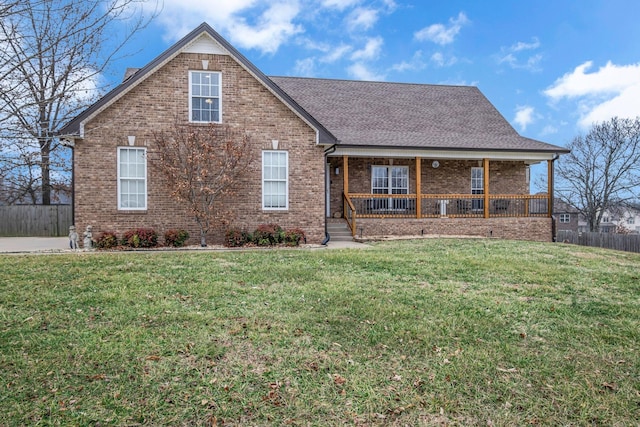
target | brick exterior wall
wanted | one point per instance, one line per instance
(536, 229)
(572, 225)
(156, 104)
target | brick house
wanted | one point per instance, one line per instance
(380, 158)
(566, 216)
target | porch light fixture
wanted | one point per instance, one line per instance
(337, 170)
(132, 140)
(435, 164)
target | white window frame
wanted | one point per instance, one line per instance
(191, 96)
(565, 218)
(477, 187)
(121, 178)
(266, 180)
(389, 187)
(631, 220)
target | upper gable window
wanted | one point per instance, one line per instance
(204, 97)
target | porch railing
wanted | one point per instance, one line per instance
(349, 213)
(443, 205)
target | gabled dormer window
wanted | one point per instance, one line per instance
(205, 104)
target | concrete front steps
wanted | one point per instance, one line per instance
(339, 230)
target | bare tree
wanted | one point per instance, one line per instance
(603, 169)
(52, 56)
(200, 164)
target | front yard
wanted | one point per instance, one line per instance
(426, 332)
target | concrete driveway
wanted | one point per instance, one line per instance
(33, 244)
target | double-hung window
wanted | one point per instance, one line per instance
(389, 180)
(204, 97)
(275, 180)
(477, 187)
(132, 178)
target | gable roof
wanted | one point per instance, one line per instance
(74, 128)
(400, 115)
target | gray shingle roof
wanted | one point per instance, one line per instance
(385, 114)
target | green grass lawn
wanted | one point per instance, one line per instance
(427, 332)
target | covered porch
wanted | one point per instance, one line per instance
(402, 195)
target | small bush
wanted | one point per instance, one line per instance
(107, 240)
(293, 237)
(268, 235)
(235, 237)
(140, 238)
(175, 238)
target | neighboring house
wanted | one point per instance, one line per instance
(621, 219)
(567, 217)
(389, 158)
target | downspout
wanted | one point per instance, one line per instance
(552, 197)
(328, 151)
(73, 185)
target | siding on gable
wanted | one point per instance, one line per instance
(156, 104)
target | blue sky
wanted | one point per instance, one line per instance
(551, 67)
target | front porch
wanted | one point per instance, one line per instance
(398, 203)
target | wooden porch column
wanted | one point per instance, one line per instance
(550, 187)
(345, 174)
(418, 187)
(485, 163)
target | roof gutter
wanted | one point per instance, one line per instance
(328, 151)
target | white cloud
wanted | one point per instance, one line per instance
(508, 55)
(360, 71)
(370, 51)
(391, 4)
(273, 24)
(336, 54)
(440, 60)
(362, 19)
(549, 130)
(339, 4)
(442, 34)
(524, 116)
(415, 64)
(520, 46)
(613, 90)
(305, 67)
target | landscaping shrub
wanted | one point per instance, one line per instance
(175, 238)
(107, 240)
(140, 238)
(268, 235)
(234, 237)
(293, 236)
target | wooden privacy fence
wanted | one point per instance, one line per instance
(35, 220)
(621, 242)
